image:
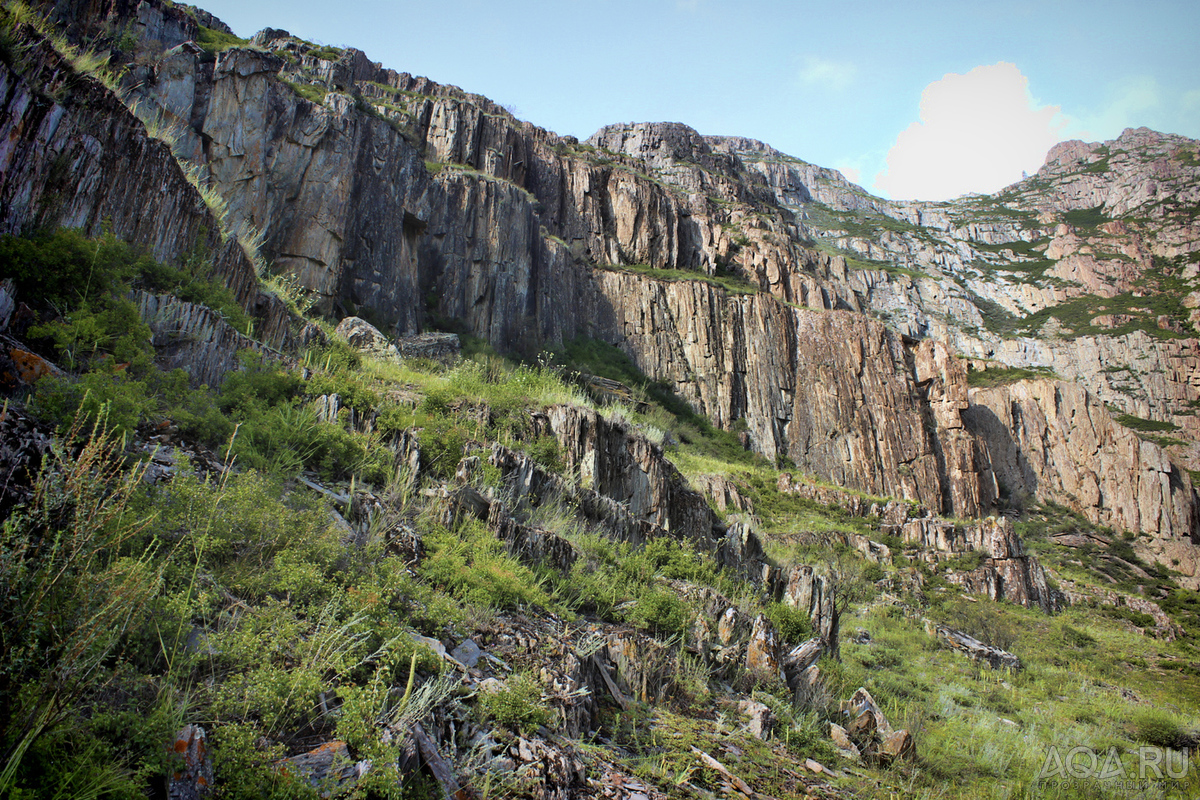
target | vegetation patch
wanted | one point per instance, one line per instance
(727, 281)
(311, 92)
(1086, 218)
(997, 375)
(214, 41)
(1144, 425)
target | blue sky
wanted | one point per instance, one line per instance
(916, 100)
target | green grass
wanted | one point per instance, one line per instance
(732, 283)
(989, 733)
(1144, 425)
(310, 92)
(1188, 158)
(1086, 217)
(1019, 248)
(697, 436)
(854, 261)
(254, 561)
(1159, 292)
(1002, 376)
(1106, 555)
(1100, 165)
(326, 53)
(214, 41)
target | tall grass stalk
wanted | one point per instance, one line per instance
(72, 595)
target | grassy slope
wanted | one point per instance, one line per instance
(256, 547)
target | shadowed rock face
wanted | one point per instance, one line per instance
(75, 157)
(513, 231)
(1053, 441)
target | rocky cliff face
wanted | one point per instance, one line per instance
(73, 155)
(759, 287)
(1051, 440)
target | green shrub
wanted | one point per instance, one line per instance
(257, 540)
(792, 624)
(443, 444)
(472, 565)
(1138, 618)
(110, 399)
(259, 384)
(518, 705)
(1158, 727)
(547, 452)
(247, 769)
(1077, 638)
(674, 560)
(107, 327)
(310, 92)
(335, 357)
(199, 417)
(64, 268)
(350, 391)
(873, 572)
(76, 276)
(660, 611)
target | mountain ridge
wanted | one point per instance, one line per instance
(633, 565)
(368, 198)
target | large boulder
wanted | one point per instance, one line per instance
(364, 336)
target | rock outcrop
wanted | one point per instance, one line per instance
(1050, 440)
(1006, 572)
(972, 648)
(58, 172)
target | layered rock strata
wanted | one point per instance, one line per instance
(1051, 440)
(74, 156)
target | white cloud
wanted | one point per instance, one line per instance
(852, 168)
(825, 74)
(977, 133)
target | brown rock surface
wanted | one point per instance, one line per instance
(1050, 440)
(762, 652)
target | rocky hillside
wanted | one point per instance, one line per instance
(720, 265)
(753, 402)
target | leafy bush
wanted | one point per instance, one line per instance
(792, 624)
(443, 444)
(260, 384)
(1159, 727)
(471, 565)
(100, 397)
(65, 270)
(518, 705)
(65, 267)
(873, 573)
(247, 769)
(660, 611)
(547, 452)
(106, 327)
